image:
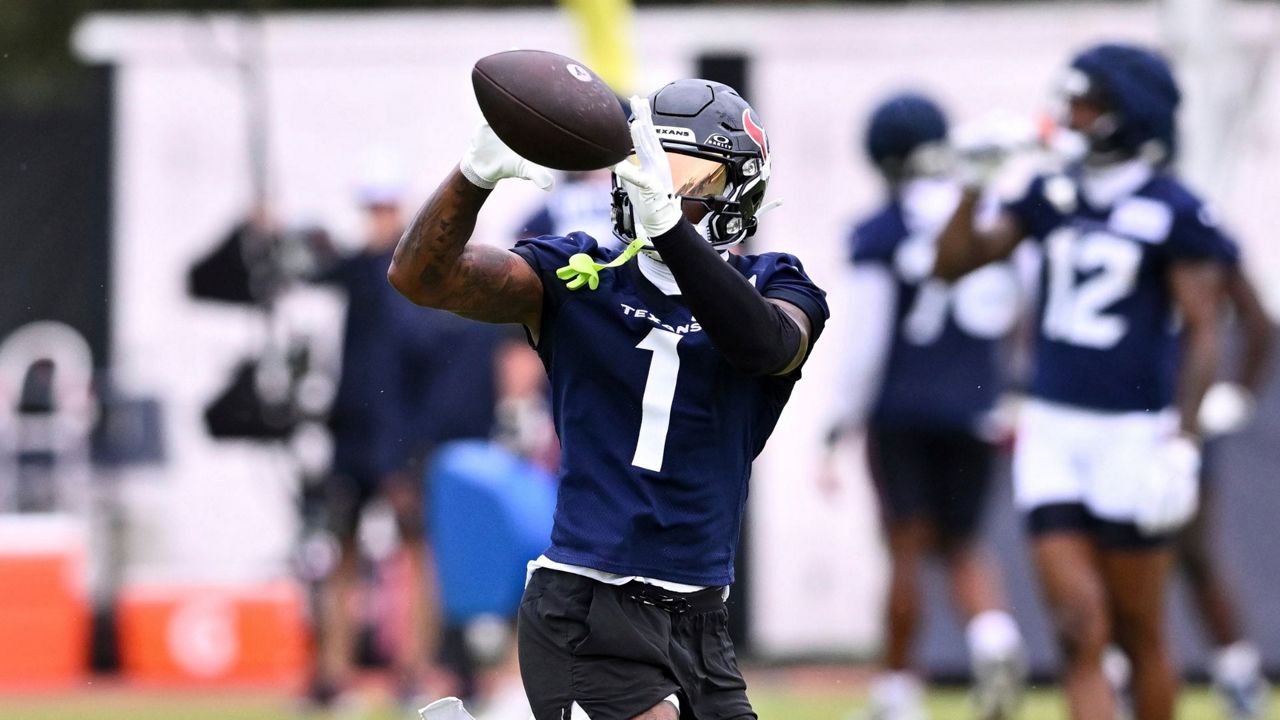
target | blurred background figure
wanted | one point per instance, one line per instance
(1228, 407)
(491, 505)
(581, 202)
(411, 380)
(923, 376)
(373, 437)
(1105, 470)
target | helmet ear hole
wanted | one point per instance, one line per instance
(752, 199)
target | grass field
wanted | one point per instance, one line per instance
(772, 702)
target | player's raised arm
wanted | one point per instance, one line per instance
(433, 264)
(982, 150)
(962, 247)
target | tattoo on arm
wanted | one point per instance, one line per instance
(434, 266)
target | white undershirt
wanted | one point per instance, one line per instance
(657, 272)
(609, 578)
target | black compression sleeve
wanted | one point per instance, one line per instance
(756, 336)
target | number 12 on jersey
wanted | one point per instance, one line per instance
(1078, 312)
(659, 393)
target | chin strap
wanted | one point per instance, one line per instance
(583, 270)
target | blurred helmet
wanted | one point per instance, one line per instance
(719, 157)
(1137, 91)
(906, 136)
(381, 179)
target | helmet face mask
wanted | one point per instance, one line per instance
(1086, 109)
(1138, 95)
(718, 155)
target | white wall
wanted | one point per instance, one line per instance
(341, 83)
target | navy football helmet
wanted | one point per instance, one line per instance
(719, 156)
(1140, 97)
(907, 137)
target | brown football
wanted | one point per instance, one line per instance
(551, 109)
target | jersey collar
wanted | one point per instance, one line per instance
(1103, 187)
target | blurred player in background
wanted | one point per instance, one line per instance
(581, 202)
(1236, 665)
(365, 413)
(412, 379)
(659, 415)
(924, 374)
(1108, 450)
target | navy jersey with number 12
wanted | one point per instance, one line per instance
(657, 430)
(1108, 336)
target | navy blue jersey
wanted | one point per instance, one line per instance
(447, 387)
(1108, 335)
(942, 369)
(412, 377)
(367, 400)
(657, 430)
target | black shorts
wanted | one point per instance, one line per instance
(619, 650)
(1074, 517)
(346, 497)
(937, 475)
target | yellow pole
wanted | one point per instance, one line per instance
(605, 28)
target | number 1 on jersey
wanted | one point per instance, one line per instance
(659, 392)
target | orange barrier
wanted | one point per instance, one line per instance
(44, 611)
(212, 634)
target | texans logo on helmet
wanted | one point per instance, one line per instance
(756, 133)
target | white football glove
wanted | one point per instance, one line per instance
(449, 708)
(1169, 490)
(654, 205)
(489, 160)
(1226, 409)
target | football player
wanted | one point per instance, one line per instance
(1108, 445)
(667, 374)
(1235, 665)
(924, 377)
